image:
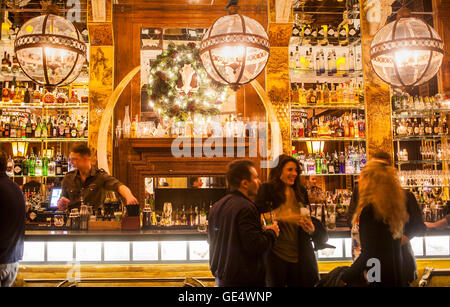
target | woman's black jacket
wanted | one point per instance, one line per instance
(267, 195)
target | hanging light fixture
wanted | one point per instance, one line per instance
(235, 49)
(50, 50)
(406, 52)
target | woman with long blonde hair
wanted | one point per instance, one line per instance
(381, 214)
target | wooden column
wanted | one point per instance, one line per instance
(277, 69)
(376, 91)
(101, 68)
(442, 24)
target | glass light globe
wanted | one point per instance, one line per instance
(234, 50)
(50, 50)
(406, 52)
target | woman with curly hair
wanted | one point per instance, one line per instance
(381, 214)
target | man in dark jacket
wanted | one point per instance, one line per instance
(237, 239)
(12, 226)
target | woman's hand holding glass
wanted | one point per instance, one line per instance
(306, 224)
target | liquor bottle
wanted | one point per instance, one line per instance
(318, 164)
(27, 95)
(326, 94)
(313, 40)
(297, 58)
(322, 35)
(317, 64)
(62, 98)
(61, 128)
(341, 163)
(319, 94)
(55, 129)
(332, 35)
(336, 162)
(6, 93)
(314, 128)
(64, 165)
(330, 164)
(126, 123)
(44, 166)
(44, 129)
(340, 132)
(343, 35)
(38, 166)
(38, 131)
(67, 128)
(291, 60)
(296, 31)
(307, 34)
(351, 128)
(9, 63)
(329, 64)
(352, 32)
(15, 67)
(25, 166)
(322, 62)
(58, 166)
(73, 96)
(333, 94)
(73, 131)
(12, 129)
(302, 95)
(32, 169)
(86, 130)
(37, 95)
(134, 128)
(5, 63)
(340, 94)
(84, 95)
(351, 60)
(311, 97)
(10, 167)
(51, 168)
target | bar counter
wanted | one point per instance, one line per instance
(177, 246)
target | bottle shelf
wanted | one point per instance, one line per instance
(425, 113)
(421, 162)
(298, 107)
(27, 176)
(310, 76)
(421, 138)
(329, 46)
(83, 78)
(424, 186)
(36, 140)
(353, 174)
(7, 105)
(336, 139)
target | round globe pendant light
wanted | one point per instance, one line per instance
(406, 52)
(235, 49)
(50, 50)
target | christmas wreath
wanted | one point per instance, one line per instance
(179, 84)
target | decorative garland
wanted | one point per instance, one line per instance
(179, 84)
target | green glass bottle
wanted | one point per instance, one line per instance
(44, 166)
(318, 164)
(32, 169)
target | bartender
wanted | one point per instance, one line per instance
(85, 183)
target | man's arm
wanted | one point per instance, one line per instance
(112, 183)
(126, 193)
(255, 240)
(445, 222)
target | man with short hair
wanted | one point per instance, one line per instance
(12, 226)
(85, 183)
(236, 237)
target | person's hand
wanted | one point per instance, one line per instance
(405, 239)
(342, 283)
(430, 225)
(274, 227)
(63, 203)
(306, 224)
(131, 200)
